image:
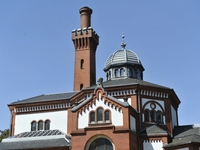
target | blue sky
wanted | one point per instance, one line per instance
(37, 53)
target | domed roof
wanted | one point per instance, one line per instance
(121, 57)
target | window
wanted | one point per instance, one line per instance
(116, 72)
(153, 116)
(109, 75)
(82, 63)
(147, 116)
(47, 125)
(101, 144)
(122, 72)
(33, 126)
(81, 86)
(40, 125)
(159, 117)
(107, 116)
(92, 117)
(99, 116)
(130, 72)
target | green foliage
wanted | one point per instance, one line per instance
(4, 134)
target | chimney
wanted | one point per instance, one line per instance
(85, 17)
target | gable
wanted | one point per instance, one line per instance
(97, 102)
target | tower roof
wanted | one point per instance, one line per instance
(122, 57)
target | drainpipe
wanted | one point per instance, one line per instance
(140, 121)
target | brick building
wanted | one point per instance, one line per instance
(124, 112)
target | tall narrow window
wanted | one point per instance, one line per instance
(136, 73)
(33, 126)
(146, 116)
(99, 115)
(40, 125)
(109, 75)
(116, 73)
(153, 116)
(130, 72)
(122, 72)
(159, 117)
(92, 117)
(81, 86)
(82, 63)
(47, 125)
(107, 116)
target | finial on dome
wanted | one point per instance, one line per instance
(123, 45)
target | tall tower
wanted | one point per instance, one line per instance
(85, 43)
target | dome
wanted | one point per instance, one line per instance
(122, 57)
(123, 64)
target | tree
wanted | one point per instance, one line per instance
(4, 134)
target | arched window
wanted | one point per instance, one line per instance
(47, 125)
(82, 63)
(40, 125)
(101, 144)
(33, 126)
(147, 116)
(153, 116)
(135, 74)
(107, 116)
(109, 75)
(99, 115)
(122, 72)
(81, 86)
(116, 73)
(92, 117)
(130, 72)
(159, 117)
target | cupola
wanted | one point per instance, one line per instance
(123, 64)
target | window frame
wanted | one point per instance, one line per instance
(122, 72)
(153, 116)
(104, 143)
(40, 126)
(96, 119)
(35, 125)
(105, 116)
(82, 64)
(116, 72)
(147, 118)
(45, 124)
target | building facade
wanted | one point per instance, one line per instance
(122, 113)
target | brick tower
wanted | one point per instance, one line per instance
(85, 43)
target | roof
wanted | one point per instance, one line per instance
(46, 97)
(153, 130)
(185, 135)
(184, 140)
(127, 81)
(36, 139)
(122, 57)
(68, 95)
